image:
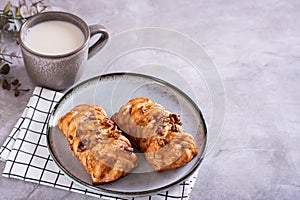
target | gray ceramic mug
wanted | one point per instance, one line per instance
(59, 71)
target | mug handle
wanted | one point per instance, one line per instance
(94, 30)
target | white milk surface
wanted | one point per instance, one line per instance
(54, 37)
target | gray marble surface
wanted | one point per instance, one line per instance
(255, 46)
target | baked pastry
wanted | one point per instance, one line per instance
(96, 141)
(157, 133)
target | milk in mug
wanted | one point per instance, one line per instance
(54, 37)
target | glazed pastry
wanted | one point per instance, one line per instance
(157, 133)
(96, 141)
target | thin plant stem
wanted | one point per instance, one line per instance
(6, 54)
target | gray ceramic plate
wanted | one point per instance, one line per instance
(111, 91)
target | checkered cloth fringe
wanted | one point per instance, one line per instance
(27, 157)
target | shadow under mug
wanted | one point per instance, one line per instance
(59, 71)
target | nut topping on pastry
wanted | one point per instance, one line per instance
(157, 133)
(98, 144)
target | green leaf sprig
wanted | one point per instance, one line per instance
(11, 19)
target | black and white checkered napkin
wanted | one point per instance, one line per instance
(27, 157)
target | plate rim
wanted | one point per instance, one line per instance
(104, 191)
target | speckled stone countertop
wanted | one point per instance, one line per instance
(255, 47)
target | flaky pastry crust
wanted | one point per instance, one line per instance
(157, 133)
(96, 141)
